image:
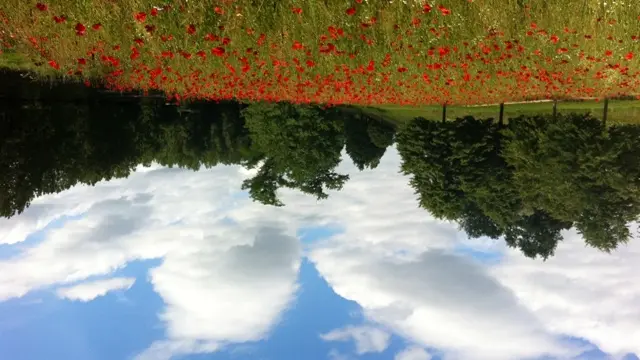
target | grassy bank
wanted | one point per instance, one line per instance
(620, 111)
(334, 51)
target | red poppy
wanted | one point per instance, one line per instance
(202, 54)
(191, 29)
(42, 7)
(226, 41)
(150, 28)
(218, 10)
(297, 46)
(296, 10)
(444, 10)
(60, 19)
(141, 17)
(138, 41)
(608, 52)
(311, 63)
(371, 66)
(554, 39)
(54, 64)
(82, 61)
(561, 50)
(80, 29)
(359, 1)
(629, 56)
(402, 69)
(154, 12)
(426, 8)
(218, 51)
(96, 26)
(351, 11)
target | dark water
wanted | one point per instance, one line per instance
(227, 230)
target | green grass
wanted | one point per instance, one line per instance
(478, 52)
(620, 111)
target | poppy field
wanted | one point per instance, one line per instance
(360, 52)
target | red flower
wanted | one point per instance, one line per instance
(60, 19)
(426, 8)
(311, 63)
(629, 56)
(226, 41)
(211, 37)
(150, 28)
(141, 17)
(42, 7)
(534, 25)
(351, 11)
(82, 61)
(261, 39)
(561, 50)
(371, 66)
(359, 1)
(191, 29)
(297, 46)
(202, 54)
(402, 69)
(296, 10)
(218, 10)
(444, 10)
(96, 27)
(608, 52)
(554, 39)
(80, 29)
(54, 64)
(218, 51)
(138, 41)
(154, 12)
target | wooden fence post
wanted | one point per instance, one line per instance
(444, 112)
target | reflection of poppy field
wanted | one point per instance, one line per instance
(333, 52)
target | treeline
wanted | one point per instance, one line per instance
(50, 143)
(529, 179)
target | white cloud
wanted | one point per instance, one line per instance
(367, 339)
(223, 279)
(440, 300)
(393, 259)
(413, 353)
(167, 349)
(88, 291)
(582, 292)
